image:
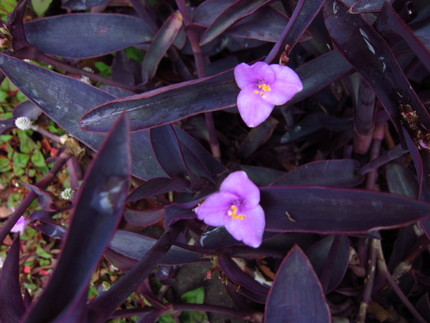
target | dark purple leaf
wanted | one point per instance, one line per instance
(6, 125)
(82, 4)
(257, 137)
(206, 13)
(266, 24)
(65, 100)
(11, 303)
(98, 34)
(239, 277)
(262, 176)
(332, 210)
(330, 259)
(144, 218)
(198, 159)
(51, 230)
(179, 101)
(383, 159)
(342, 172)
(366, 6)
(321, 72)
(368, 52)
(99, 206)
(104, 305)
(134, 246)
(167, 104)
(238, 10)
(45, 198)
(303, 15)
(423, 306)
(296, 295)
(401, 181)
(160, 44)
(390, 22)
(157, 186)
(168, 151)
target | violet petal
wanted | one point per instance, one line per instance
(213, 211)
(252, 107)
(239, 184)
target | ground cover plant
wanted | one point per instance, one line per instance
(217, 160)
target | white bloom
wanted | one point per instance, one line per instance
(67, 193)
(23, 123)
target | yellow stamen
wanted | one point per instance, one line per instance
(264, 88)
(234, 215)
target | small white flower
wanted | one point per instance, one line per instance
(67, 194)
(23, 123)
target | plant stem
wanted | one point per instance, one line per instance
(367, 293)
(382, 266)
(44, 182)
(193, 37)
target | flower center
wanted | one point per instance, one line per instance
(233, 213)
(263, 88)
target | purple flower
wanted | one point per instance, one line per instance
(20, 225)
(262, 87)
(236, 206)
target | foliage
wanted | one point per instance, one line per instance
(133, 106)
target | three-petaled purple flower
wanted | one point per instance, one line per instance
(236, 206)
(262, 87)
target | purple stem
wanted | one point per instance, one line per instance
(193, 37)
(44, 182)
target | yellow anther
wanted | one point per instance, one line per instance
(234, 215)
(265, 87)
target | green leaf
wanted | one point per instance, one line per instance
(26, 144)
(40, 6)
(167, 318)
(42, 253)
(38, 159)
(20, 160)
(5, 138)
(6, 7)
(195, 296)
(135, 54)
(105, 70)
(4, 165)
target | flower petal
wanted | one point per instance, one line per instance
(285, 86)
(213, 211)
(250, 74)
(240, 185)
(252, 107)
(249, 230)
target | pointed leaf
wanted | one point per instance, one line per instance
(11, 302)
(98, 34)
(135, 246)
(157, 186)
(332, 210)
(160, 44)
(65, 100)
(370, 55)
(144, 218)
(296, 295)
(238, 10)
(179, 101)
(100, 202)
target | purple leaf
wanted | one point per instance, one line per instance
(11, 303)
(206, 13)
(238, 10)
(390, 22)
(167, 104)
(296, 295)
(330, 258)
(65, 100)
(342, 172)
(366, 6)
(98, 34)
(134, 246)
(144, 218)
(157, 186)
(100, 202)
(82, 4)
(332, 210)
(160, 44)
(27, 109)
(368, 52)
